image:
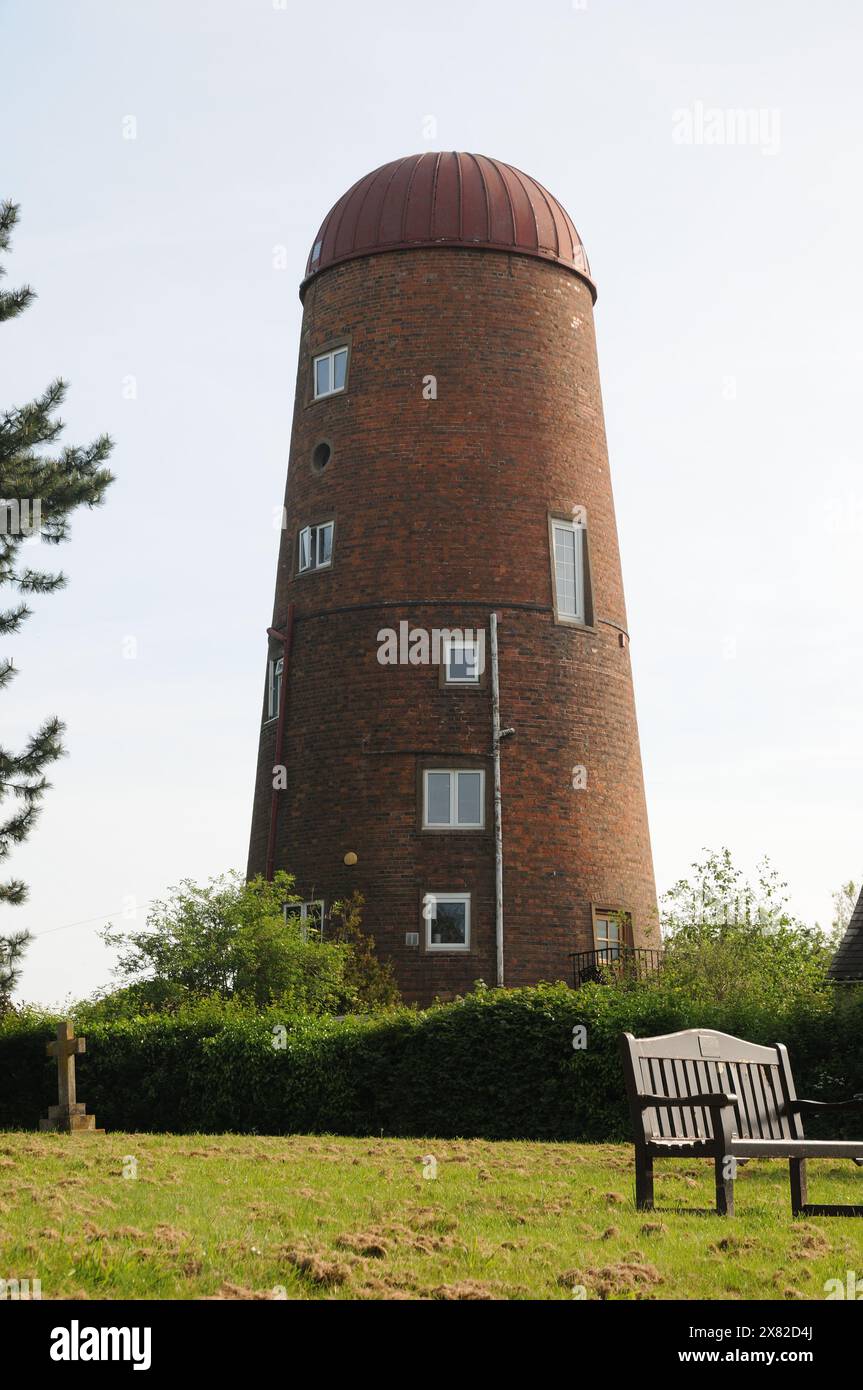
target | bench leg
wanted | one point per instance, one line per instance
(799, 1186)
(800, 1204)
(723, 1166)
(643, 1181)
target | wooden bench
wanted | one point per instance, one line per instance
(702, 1094)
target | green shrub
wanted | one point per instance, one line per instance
(234, 940)
(499, 1064)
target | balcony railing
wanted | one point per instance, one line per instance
(614, 963)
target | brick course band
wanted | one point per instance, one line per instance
(443, 603)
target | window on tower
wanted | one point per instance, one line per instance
(462, 661)
(453, 799)
(447, 921)
(274, 686)
(316, 547)
(311, 917)
(612, 933)
(569, 570)
(330, 371)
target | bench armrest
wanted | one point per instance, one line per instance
(713, 1101)
(856, 1103)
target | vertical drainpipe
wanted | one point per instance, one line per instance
(498, 827)
(286, 638)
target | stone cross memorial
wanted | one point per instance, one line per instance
(69, 1116)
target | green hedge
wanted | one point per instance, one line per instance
(499, 1065)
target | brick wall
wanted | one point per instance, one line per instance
(441, 511)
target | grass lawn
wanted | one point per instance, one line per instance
(234, 1216)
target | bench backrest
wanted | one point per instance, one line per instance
(701, 1062)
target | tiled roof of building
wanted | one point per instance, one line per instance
(847, 964)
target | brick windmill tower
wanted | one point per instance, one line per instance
(448, 714)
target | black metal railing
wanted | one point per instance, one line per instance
(614, 962)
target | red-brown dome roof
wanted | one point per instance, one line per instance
(448, 200)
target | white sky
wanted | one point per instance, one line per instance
(729, 332)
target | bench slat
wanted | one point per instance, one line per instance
(703, 1127)
(655, 1122)
(681, 1117)
(769, 1123)
(747, 1112)
(760, 1128)
(662, 1089)
(704, 1086)
(777, 1099)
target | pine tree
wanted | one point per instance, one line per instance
(38, 491)
(12, 950)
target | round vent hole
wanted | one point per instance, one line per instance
(321, 455)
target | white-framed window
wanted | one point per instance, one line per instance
(453, 798)
(447, 921)
(311, 915)
(274, 685)
(462, 661)
(330, 372)
(316, 547)
(567, 539)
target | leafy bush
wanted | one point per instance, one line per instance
(498, 1064)
(371, 984)
(744, 971)
(233, 940)
(733, 943)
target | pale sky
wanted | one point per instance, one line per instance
(728, 322)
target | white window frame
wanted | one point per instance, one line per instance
(313, 535)
(276, 673)
(573, 528)
(291, 910)
(430, 900)
(331, 358)
(464, 644)
(454, 823)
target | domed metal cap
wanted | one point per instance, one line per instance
(448, 200)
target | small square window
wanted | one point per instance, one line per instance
(568, 570)
(447, 921)
(454, 799)
(330, 372)
(463, 661)
(316, 547)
